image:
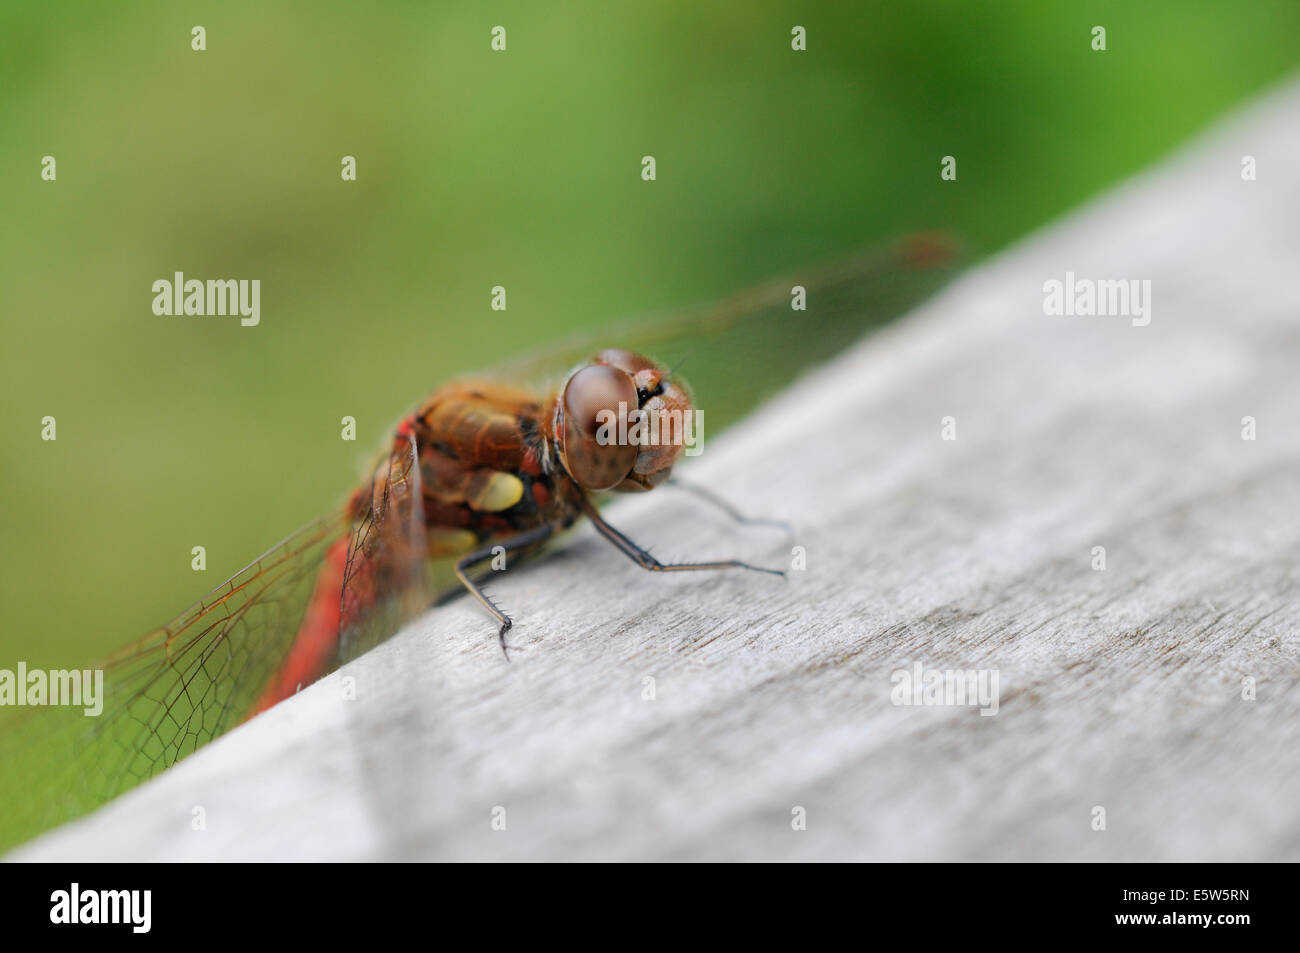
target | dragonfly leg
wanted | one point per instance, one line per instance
(643, 558)
(524, 540)
(712, 498)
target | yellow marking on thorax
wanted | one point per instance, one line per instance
(491, 491)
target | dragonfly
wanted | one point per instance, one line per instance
(484, 468)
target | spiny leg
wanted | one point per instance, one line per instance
(643, 558)
(712, 498)
(530, 538)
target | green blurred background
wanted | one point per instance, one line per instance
(475, 168)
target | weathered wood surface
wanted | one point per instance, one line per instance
(1119, 688)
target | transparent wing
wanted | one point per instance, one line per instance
(741, 350)
(323, 594)
(388, 579)
(163, 696)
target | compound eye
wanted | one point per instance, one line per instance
(593, 396)
(597, 400)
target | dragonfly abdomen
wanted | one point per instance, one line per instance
(317, 642)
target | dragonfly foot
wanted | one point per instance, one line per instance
(501, 637)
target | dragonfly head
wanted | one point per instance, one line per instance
(621, 422)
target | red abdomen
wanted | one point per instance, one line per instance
(317, 641)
